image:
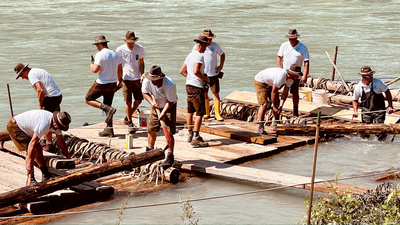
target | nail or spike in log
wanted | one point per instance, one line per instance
(89, 174)
(287, 129)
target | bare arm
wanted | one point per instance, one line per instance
(390, 101)
(95, 68)
(40, 93)
(284, 97)
(221, 63)
(119, 74)
(63, 146)
(31, 153)
(279, 62)
(141, 66)
(197, 72)
(355, 108)
(306, 70)
(183, 70)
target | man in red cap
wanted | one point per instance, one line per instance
(27, 128)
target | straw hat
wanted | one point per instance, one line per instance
(292, 34)
(130, 37)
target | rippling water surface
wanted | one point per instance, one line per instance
(57, 35)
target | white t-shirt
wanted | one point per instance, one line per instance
(274, 75)
(37, 120)
(167, 92)
(131, 61)
(191, 59)
(210, 58)
(379, 88)
(39, 75)
(293, 55)
(108, 60)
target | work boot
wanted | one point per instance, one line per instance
(149, 148)
(190, 137)
(261, 129)
(45, 173)
(217, 109)
(132, 128)
(275, 126)
(110, 111)
(198, 142)
(30, 180)
(107, 132)
(207, 109)
(168, 161)
(126, 121)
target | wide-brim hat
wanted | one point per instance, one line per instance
(155, 73)
(294, 70)
(292, 34)
(366, 71)
(19, 68)
(100, 39)
(209, 33)
(202, 39)
(130, 37)
(62, 119)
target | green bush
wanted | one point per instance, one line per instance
(379, 206)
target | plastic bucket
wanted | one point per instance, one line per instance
(305, 94)
(320, 96)
(143, 118)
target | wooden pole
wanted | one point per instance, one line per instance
(314, 167)
(30, 192)
(340, 75)
(9, 100)
(334, 61)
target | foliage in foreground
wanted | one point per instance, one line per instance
(187, 216)
(379, 206)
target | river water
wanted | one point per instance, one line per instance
(56, 35)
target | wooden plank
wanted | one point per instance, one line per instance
(264, 176)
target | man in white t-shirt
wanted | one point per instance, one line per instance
(49, 95)
(267, 83)
(368, 95)
(214, 72)
(27, 128)
(108, 64)
(160, 91)
(294, 52)
(133, 67)
(193, 70)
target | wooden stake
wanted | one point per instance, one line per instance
(9, 100)
(314, 167)
(334, 61)
(340, 75)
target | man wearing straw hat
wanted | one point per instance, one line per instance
(193, 70)
(133, 67)
(160, 91)
(27, 128)
(108, 64)
(294, 52)
(214, 72)
(49, 95)
(267, 83)
(368, 94)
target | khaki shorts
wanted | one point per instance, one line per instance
(20, 139)
(154, 123)
(195, 100)
(214, 84)
(105, 90)
(263, 92)
(132, 87)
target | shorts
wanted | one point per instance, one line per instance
(214, 84)
(263, 92)
(195, 100)
(132, 87)
(105, 90)
(294, 89)
(52, 104)
(154, 123)
(20, 139)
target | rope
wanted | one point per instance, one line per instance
(375, 173)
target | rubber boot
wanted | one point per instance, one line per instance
(110, 111)
(217, 108)
(207, 109)
(45, 173)
(30, 180)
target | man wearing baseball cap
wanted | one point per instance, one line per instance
(27, 128)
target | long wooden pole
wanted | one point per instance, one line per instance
(340, 75)
(314, 167)
(30, 192)
(334, 61)
(9, 100)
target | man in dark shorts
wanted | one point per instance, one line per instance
(160, 91)
(108, 64)
(49, 95)
(191, 69)
(27, 128)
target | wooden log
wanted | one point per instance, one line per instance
(4, 136)
(92, 173)
(172, 175)
(339, 129)
(334, 61)
(388, 176)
